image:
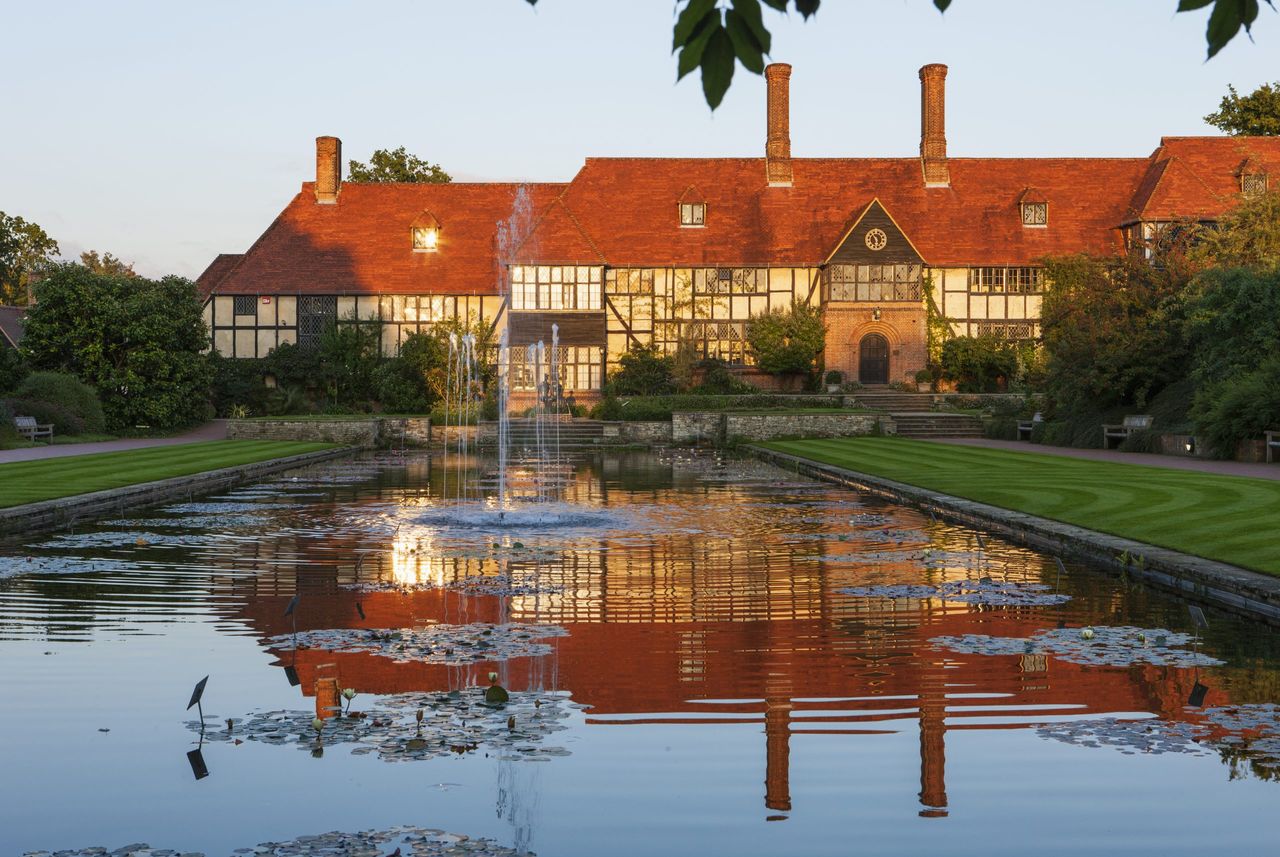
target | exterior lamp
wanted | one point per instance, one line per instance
(426, 233)
(1190, 446)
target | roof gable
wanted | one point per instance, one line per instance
(557, 237)
(874, 238)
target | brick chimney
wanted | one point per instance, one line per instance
(933, 118)
(328, 169)
(777, 144)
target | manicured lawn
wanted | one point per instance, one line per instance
(1228, 518)
(33, 481)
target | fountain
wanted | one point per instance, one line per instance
(536, 450)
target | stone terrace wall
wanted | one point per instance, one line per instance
(774, 426)
(366, 432)
(720, 428)
(658, 432)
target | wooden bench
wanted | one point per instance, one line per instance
(1273, 445)
(1026, 427)
(1118, 433)
(32, 430)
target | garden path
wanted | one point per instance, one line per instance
(214, 430)
(1173, 462)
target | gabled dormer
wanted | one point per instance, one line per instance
(874, 238)
(1033, 208)
(1252, 177)
(874, 261)
(691, 209)
(424, 233)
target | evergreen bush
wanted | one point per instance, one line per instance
(67, 392)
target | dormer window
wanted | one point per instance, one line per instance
(1033, 207)
(425, 232)
(693, 214)
(1252, 184)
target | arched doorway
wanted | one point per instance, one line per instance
(873, 359)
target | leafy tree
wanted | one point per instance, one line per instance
(643, 371)
(25, 249)
(716, 35)
(979, 364)
(139, 342)
(1232, 320)
(348, 353)
(396, 165)
(787, 340)
(1112, 329)
(1240, 407)
(1257, 113)
(1247, 236)
(106, 264)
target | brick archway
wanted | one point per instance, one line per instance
(858, 342)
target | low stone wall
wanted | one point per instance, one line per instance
(697, 427)
(774, 426)
(364, 432)
(1249, 592)
(722, 428)
(656, 433)
(48, 515)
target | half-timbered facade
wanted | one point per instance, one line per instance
(683, 252)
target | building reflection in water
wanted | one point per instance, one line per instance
(727, 610)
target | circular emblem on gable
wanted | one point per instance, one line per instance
(876, 239)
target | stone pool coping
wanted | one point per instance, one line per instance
(1239, 589)
(47, 515)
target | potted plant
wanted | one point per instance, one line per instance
(834, 379)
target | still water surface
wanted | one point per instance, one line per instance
(734, 698)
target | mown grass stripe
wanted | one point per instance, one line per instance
(1227, 518)
(24, 482)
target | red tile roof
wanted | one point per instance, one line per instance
(627, 206)
(216, 272)
(362, 245)
(1198, 178)
(623, 211)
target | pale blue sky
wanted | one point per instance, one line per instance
(166, 132)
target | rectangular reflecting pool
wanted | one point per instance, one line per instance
(683, 653)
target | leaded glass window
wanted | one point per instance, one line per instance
(880, 283)
(315, 314)
(556, 287)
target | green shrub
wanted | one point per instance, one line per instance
(67, 392)
(1142, 440)
(12, 369)
(717, 380)
(1239, 408)
(1001, 428)
(399, 389)
(787, 340)
(979, 364)
(643, 371)
(8, 431)
(64, 422)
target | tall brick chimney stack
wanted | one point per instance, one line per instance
(933, 118)
(777, 144)
(328, 169)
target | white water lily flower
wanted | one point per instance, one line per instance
(1086, 633)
